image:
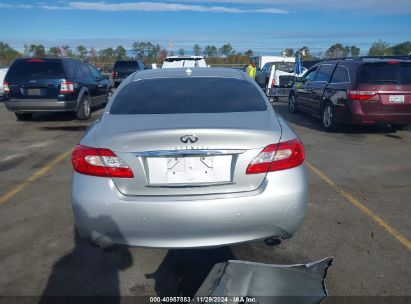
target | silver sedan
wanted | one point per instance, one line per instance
(187, 158)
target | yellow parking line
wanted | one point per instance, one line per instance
(19, 187)
(395, 233)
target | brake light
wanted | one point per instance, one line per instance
(273, 83)
(99, 162)
(276, 157)
(6, 88)
(66, 87)
(35, 60)
(393, 62)
(360, 95)
(114, 74)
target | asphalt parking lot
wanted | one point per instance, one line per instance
(359, 210)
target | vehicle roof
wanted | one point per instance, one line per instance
(189, 72)
(185, 57)
(359, 61)
(51, 58)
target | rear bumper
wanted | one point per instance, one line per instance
(353, 114)
(40, 105)
(277, 208)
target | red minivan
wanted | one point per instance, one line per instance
(356, 91)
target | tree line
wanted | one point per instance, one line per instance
(154, 53)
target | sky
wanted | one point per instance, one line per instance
(265, 26)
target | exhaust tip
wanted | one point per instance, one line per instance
(273, 241)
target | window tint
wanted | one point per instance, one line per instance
(341, 75)
(84, 71)
(70, 69)
(287, 67)
(310, 75)
(126, 66)
(267, 67)
(385, 73)
(94, 72)
(324, 73)
(188, 95)
(35, 69)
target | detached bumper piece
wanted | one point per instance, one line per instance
(248, 282)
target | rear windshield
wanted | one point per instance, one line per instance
(188, 95)
(285, 67)
(35, 69)
(385, 73)
(126, 66)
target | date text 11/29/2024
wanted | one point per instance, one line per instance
(203, 300)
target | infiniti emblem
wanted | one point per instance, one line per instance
(189, 138)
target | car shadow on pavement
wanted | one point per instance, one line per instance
(311, 122)
(182, 272)
(87, 274)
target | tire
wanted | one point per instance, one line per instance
(399, 127)
(23, 116)
(328, 118)
(84, 111)
(292, 104)
(273, 99)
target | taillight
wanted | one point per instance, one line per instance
(99, 162)
(6, 88)
(276, 157)
(114, 74)
(360, 95)
(66, 87)
(273, 83)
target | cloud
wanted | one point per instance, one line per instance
(360, 6)
(14, 6)
(162, 7)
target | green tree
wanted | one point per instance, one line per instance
(54, 51)
(306, 53)
(354, 51)
(120, 53)
(249, 53)
(289, 52)
(107, 55)
(181, 52)
(210, 51)
(82, 52)
(227, 50)
(153, 52)
(141, 49)
(7, 54)
(403, 48)
(34, 50)
(380, 48)
(197, 49)
(337, 51)
(67, 51)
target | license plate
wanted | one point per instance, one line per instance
(34, 92)
(397, 98)
(189, 170)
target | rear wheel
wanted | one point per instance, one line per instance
(328, 117)
(23, 116)
(291, 104)
(84, 111)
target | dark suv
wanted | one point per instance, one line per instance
(123, 68)
(54, 84)
(361, 90)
